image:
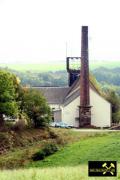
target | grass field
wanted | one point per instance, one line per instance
(28, 142)
(59, 173)
(70, 163)
(43, 67)
(36, 67)
(95, 147)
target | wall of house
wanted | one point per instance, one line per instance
(70, 112)
(55, 106)
(57, 116)
(56, 112)
(100, 111)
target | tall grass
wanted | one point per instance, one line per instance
(59, 173)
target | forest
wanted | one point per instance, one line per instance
(108, 78)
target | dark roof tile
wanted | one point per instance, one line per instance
(54, 95)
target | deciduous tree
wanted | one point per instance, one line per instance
(8, 105)
(36, 107)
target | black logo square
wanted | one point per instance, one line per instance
(102, 168)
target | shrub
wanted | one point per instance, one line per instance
(38, 156)
(116, 117)
(24, 117)
(5, 142)
(19, 125)
(46, 151)
(36, 107)
(61, 140)
(52, 134)
(50, 149)
(8, 94)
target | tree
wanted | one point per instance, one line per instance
(36, 107)
(114, 99)
(8, 105)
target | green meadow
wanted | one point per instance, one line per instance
(96, 147)
(59, 173)
(44, 67)
(71, 162)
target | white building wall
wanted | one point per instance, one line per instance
(57, 116)
(57, 111)
(55, 106)
(70, 112)
(101, 111)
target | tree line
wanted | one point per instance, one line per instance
(108, 78)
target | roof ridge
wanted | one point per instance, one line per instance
(71, 87)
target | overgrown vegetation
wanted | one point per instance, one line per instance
(8, 104)
(114, 99)
(18, 148)
(21, 103)
(46, 151)
(108, 78)
(95, 147)
(14, 139)
(36, 107)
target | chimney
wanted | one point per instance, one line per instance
(85, 112)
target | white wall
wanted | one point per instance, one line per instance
(55, 106)
(70, 112)
(57, 116)
(57, 112)
(101, 111)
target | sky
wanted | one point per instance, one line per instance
(38, 31)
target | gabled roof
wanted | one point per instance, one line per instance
(54, 95)
(64, 95)
(74, 91)
(76, 85)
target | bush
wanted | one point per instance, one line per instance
(38, 156)
(52, 134)
(5, 142)
(24, 117)
(50, 149)
(116, 117)
(46, 151)
(19, 125)
(36, 107)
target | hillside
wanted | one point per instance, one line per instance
(108, 78)
(17, 147)
(95, 147)
(57, 66)
(71, 162)
(106, 75)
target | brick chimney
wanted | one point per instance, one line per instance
(85, 108)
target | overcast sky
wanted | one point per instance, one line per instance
(38, 30)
